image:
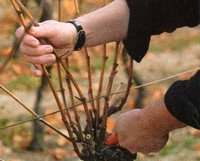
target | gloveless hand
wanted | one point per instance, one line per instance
(136, 134)
(63, 36)
(146, 130)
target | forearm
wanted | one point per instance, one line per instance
(107, 24)
(159, 117)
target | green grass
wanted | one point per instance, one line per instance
(174, 147)
(190, 142)
(169, 149)
(26, 82)
(97, 64)
(4, 122)
(6, 135)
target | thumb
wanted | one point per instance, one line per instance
(114, 130)
(45, 29)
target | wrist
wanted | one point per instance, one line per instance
(161, 119)
(80, 41)
(71, 29)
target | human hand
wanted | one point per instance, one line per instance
(63, 37)
(137, 133)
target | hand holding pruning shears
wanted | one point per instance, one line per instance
(137, 132)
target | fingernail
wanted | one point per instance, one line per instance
(33, 30)
(49, 59)
(35, 42)
(49, 48)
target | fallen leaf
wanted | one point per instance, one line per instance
(194, 132)
(130, 104)
(157, 94)
(110, 124)
(197, 148)
(4, 150)
(5, 51)
(17, 69)
(20, 142)
(62, 141)
(59, 153)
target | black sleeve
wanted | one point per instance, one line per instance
(151, 17)
(183, 100)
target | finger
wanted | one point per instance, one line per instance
(20, 32)
(44, 59)
(30, 41)
(49, 64)
(36, 71)
(40, 50)
(44, 30)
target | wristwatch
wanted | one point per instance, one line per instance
(80, 33)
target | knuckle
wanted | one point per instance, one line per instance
(39, 60)
(18, 32)
(27, 38)
(38, 51)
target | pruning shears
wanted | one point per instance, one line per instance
(112, 140)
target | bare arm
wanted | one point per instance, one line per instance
(161, 118)
(107, 24)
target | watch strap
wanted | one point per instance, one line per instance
(80, 33)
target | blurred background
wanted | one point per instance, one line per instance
(169, 54)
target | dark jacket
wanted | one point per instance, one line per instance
(152, 17)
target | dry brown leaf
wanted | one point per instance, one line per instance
(110, 124)
(62, 141)
(4, 150)
(59, 153)
(130, 103)
(194, 132)
(5, 51)
(6, 77)
(55, 120)
(150, 56)
(20, 142)
(158, 94)
(197, 147)
(17, 69)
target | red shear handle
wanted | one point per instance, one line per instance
(112, 140)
